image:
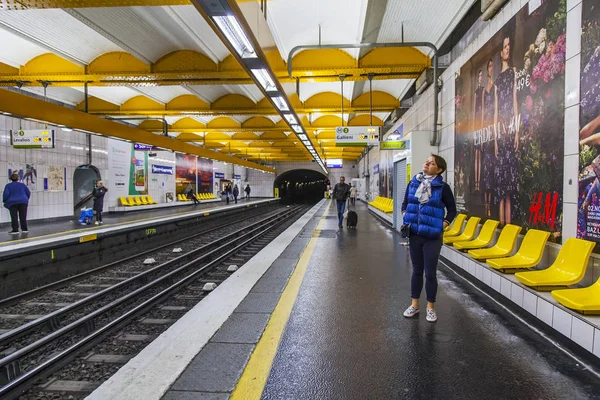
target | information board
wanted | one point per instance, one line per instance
(394, 145)
(32, 139)
(357, 135)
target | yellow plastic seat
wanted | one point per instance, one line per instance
(132, 201)
(150, 200)
(143, 200)
(585, 300)
(486, 234)
(137, 200)
(467, 234)
(568, 268)
(457, 225)
(125, 202)
(528, 255)
(503, 247)
(202, 196)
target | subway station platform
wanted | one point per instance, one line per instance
(317, 314)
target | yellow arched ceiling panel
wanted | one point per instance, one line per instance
(326, 135)
(184, 60)
(380, 99)
(273, 135)
(326, 100)
(365, 120)
(265, 104)
(329, 121)
(151, 125)
(282, 124)
(394, 56)
(258, 122)
(233, 101)
(229, 63)
(187, 102)
(295, 101)
(118, 62)
(6, 69)
(50, 63)
(141, 102)
(275, 60)
(99, 104)
(189, 123)
(224, 123)
(217, 136)
(323, 58)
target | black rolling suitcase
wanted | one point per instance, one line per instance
(352, 219)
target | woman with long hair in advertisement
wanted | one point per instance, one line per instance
(489, 133)
(477, 108)
(506, 143)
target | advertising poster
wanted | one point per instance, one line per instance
(205, 175)
(588, 215)
(185, 173)
(119, 163)
(28, 174)
(138, 172)
(510, 122)
(56, 178)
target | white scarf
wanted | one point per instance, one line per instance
(423, 192)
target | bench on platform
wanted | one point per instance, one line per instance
(383, 204)
(503, 247)
(467, 234)
(485, 237)
(529, 254)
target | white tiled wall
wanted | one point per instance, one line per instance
(582, 330)
(70, 151)
(261, 183)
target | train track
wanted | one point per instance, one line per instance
(36, 349)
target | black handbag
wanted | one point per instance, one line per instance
(405, 230)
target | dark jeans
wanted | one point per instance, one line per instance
(341, 207)
(98, 212)
(18, 212)
(353, 201)
(235, 198)
(424, 254)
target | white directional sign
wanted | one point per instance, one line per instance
(32, 139)
(357, 135)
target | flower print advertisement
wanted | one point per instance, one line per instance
(588, 202)
(509, 122)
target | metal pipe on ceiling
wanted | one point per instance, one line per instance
(435, 137)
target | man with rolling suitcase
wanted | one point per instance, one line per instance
(341, 191)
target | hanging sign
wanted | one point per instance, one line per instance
(32, 139)
(220, 175)
(357, 135)
(334, 163)
(394, 145)
(144, 147)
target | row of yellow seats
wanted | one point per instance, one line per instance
(137, 200)
(568, 269)
(199, 197)
(383, 203)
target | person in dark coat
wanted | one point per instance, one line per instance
(192, 196)
(236, 193)
(98, 195)
(247, 190)
(16, 198)
(228, 192)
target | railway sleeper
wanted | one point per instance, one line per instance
(10, 372)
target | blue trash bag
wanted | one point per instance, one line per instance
(86, 216)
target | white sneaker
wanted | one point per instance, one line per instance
(431, 316)
(411, 312)
(101, 222)
(97, 223)
(24, 231)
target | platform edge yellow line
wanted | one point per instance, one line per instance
(255, 375)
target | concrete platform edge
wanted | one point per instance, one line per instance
(152, 372)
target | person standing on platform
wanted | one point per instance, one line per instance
(341, 191)
(247, 190)
(428, 209)
(236, 193)
(227, 192)
(16, 198)
(98, 195)
(353, 194)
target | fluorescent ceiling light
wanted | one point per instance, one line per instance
(302, 136)
(306, 142)
(291, 119)
(234, 33)
(264, 78)
(297, 128)
(67, 129)
(281, 104)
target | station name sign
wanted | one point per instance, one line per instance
(162, 169)
(144, 147)
(357, 135)
(394, 145)
(32, 139)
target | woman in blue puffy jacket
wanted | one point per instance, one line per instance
(428, 208)
(16, 198)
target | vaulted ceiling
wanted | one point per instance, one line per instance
(160, 58)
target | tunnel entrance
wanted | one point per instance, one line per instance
(301, 186)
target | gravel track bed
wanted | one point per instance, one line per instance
(101, 371)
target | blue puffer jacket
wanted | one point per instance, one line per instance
(15, 193)
(427, 219)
